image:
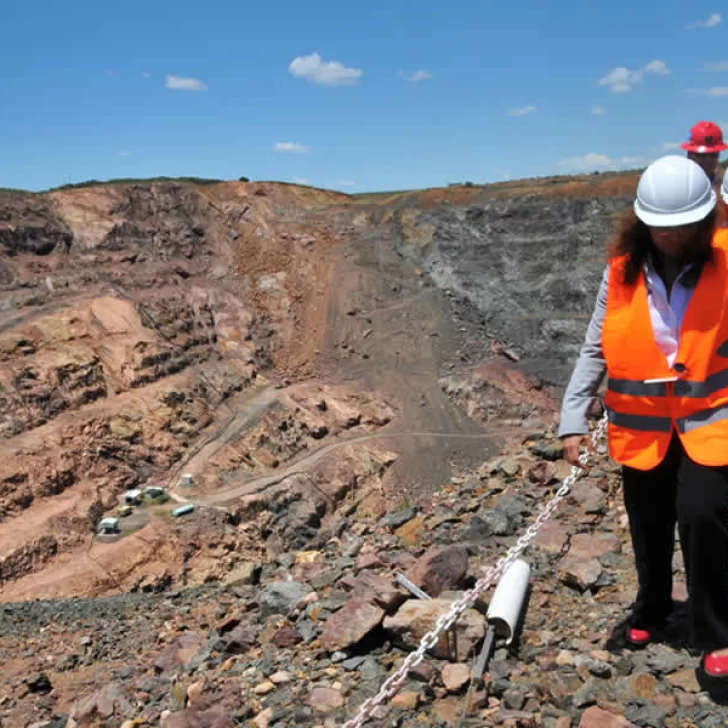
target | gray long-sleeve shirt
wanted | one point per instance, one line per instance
(588, 373)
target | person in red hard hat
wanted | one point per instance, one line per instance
(704, 147)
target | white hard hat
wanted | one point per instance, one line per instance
(674, 191)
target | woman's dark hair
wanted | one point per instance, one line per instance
(632, 239)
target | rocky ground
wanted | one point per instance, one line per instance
(306, 638)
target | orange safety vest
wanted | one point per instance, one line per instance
(646, 400)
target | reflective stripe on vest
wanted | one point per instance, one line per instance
(642, 423)
(683, 387)
(702, 418)
(653, 423)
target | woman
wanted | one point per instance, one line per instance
(660, 332)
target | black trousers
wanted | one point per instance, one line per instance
(695, 497)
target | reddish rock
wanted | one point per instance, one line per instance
(642, 685)
(595, 717)
(667, 702)
(191, 718)
(412, 531)
(580, 574)
(424, 672)
(417, 617)
(371, 560)
(227, 625)
(179, 652)
(375, 588)
(101, 706)
(449, 709)
(407, 700)
(263, 719)
(325, 700)
(685, 700)
(195, 691)
(286, 637)
(542, 473)
(685, 680)
(593, 546)
(240, 640)
(552, 537)
(308, 571)
(354, 621)
(440, 569)
(403, 561)
(455, 676)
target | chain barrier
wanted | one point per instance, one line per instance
(394, 682)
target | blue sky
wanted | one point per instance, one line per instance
(387, 94)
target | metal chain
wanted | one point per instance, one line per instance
(393, 683)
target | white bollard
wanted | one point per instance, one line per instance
(507, 602)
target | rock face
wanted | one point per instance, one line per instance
(135, 342)
(500, 256)
(28, 224)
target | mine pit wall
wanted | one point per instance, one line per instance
(530, 266)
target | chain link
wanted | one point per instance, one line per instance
(392, 684)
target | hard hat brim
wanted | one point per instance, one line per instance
(702, 149)
(675, 219)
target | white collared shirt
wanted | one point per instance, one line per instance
(667, 312)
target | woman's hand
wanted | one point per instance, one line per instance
(573, 445)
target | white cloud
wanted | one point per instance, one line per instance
(146, 74)
(621, 80)
(588, 161)
(327, 73)
(523, 111)
(595, 161)
(713, 91)
(346, 183)
(124, 153)
(719, 66)
(598, 110)
(714, 20)
(669, 146)
(290, 147)
(301, 181)
(658, 67)
(416, 76)
(179, 83)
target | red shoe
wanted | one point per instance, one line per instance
(640, 637)
(716, 665)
